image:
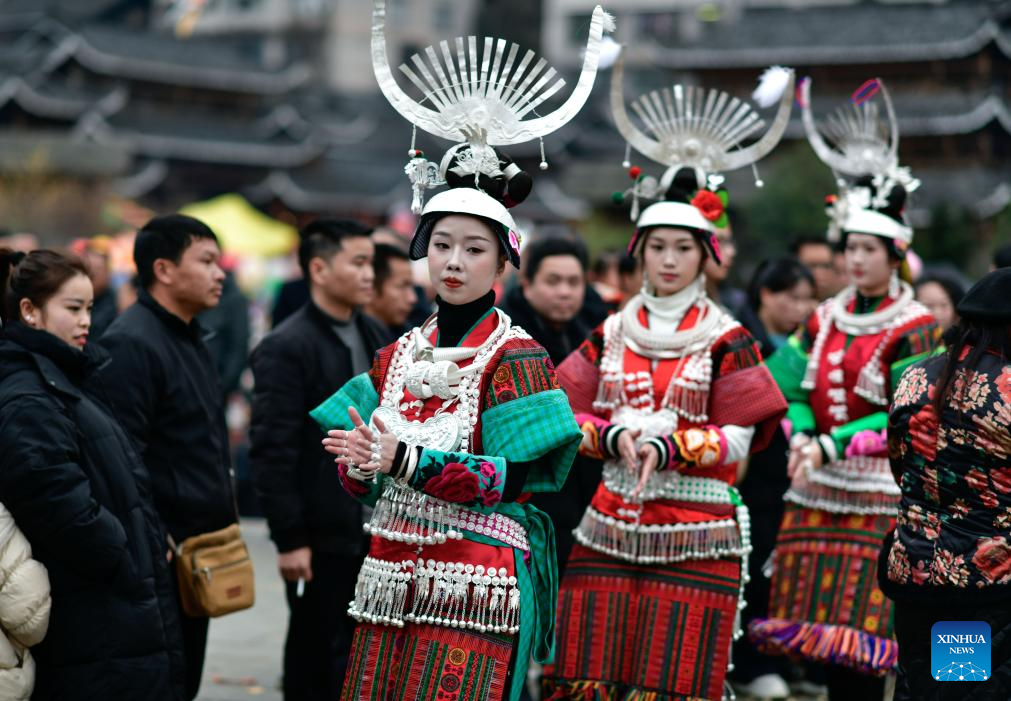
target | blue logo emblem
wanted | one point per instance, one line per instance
(960, 651)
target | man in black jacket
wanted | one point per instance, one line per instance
(315, 525)
(163, 387)
(553, 302)
(396, 296)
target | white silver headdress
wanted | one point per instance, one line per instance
(479, 94)
(692, 127)
(865, 146)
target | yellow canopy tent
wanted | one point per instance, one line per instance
(242, 229)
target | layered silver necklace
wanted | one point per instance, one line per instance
(427, 371)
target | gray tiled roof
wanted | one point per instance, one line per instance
(847, 34)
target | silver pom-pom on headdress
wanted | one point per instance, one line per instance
(479, 93)
(704, 129)
(864, 144)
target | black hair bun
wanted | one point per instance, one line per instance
(683, 186)
(896, 203)
(895, 199)
(510, 188)
(519, 184)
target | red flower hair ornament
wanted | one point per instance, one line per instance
(709, 204)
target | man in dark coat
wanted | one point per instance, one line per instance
(396, 296)
(315, 525)
(77, 489)
(553, 302)
(556, 306)
(164, 388)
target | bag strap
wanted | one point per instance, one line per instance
(235, 492)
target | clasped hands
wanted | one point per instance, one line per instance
(642, 460)
(362, 448)
(805, 453)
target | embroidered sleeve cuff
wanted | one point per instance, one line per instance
(700, 447)
(462, 478)
(609, 440)
(592, 428)
(829, 450)
(405, 462)
(663, 452)
(365, 491)
(399, 461)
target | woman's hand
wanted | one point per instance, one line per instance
(355, 448)
(386, 442)
(805, 453)
(649, 459)
(627, 450)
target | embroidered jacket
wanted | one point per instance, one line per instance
(838, 385)
(681, 406)
(952, 542)
(484, 564)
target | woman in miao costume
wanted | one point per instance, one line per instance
(460, 417)
(671, 393)
(838, 374)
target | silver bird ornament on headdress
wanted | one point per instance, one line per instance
(864, 143)
(693, 127)
(480, 93)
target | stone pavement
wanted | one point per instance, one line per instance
(244, 649)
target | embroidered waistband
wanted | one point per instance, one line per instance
(852, 486)
(653, 543)
(454, 594)
(666, 485)
(405, 515)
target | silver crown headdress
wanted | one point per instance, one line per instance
(479, 98)
(698, 128)
(865, 143)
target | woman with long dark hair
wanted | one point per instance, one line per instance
(75, 485)
(949, 558)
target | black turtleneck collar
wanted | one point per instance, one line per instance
(74, 363)
(455, 320)
(865, 305)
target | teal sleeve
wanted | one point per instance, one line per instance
(332, 414)
(842, 435)
(358, 392)
(788, 365)
(527, 428)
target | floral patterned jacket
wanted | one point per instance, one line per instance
(953, 537)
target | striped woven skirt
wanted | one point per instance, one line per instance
(825, 604)
(649, 632)
(427, 663)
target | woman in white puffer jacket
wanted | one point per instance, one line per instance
(24, 610)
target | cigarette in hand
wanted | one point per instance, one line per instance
(300, 587)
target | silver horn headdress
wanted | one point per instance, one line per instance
(480, 93)
(704, 129)
(864, 157)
